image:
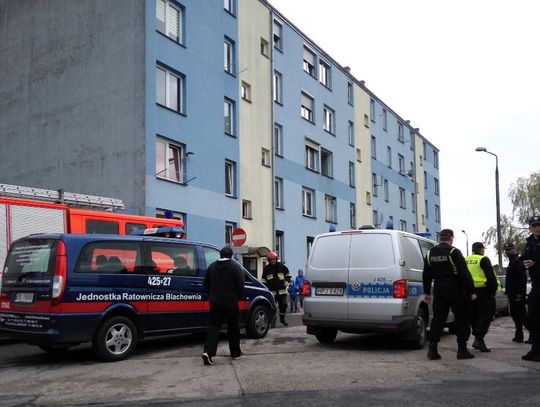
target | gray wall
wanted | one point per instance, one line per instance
(72, 76)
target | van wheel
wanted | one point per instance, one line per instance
(115, 339)
(258, 322)
(326, 335)
(56, 350)
(419, 331)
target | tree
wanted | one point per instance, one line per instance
(525, 198)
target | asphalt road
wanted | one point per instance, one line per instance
(287, 367)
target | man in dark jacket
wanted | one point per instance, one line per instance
(224, 282)
(276, 277)
(516, 290)
(531, 261)
(453, 288)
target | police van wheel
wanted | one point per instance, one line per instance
(326, 335)
(419, 331)
(258, 322)
(115, 339)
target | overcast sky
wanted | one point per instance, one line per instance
(466, 72)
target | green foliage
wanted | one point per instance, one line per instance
(509, 234)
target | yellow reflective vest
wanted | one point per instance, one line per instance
(477, 273)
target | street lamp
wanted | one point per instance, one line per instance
(466, 240)
(497, 202)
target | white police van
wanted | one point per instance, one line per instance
(361, 281)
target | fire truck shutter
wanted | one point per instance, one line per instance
(3, 235)
(26, 220)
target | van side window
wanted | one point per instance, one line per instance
(210, 255)
(110, 258)
(411, 251)
(426, 247)
(131, 227)
(102, 226)
(175, 259)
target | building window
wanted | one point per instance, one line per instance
(436, 181)
(350, 132)
(350, 93)
(265, 157)
(278, 140)
(228, 116)
(169, 161)
(435, 159)
(403, 225)
(437, 213)
(228, 5)
(366, 120)
(374, 183)
(329, 120)
(368, 197)
(245, 91)
(427, 208)
(351, 174)
(169, 20)
(325, 74)
(246, 209)
(307, 108)
(229, 227)
(413, 203)
(331, 208)
(358, 155)
(312, 156)
(372, 110)
(309, 244)
(425, 180)
(265, 48)
(326, 163)
(389, 156)
(401, 163)
(373, 147)
(309, 62)
(376, 221)
(277, 32)
(386, 191)
(385, 119)
(352, 215)
(278, 87)
(400, 136)
(308, 202)
(424, 149)
(169, 89)
(280, 244)
(228, 55)
(230, 178)
(278, 193)
(402, 199)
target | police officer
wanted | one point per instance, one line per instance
(486, 284)
(531, 261)
(453, 288)
(276, 277)
(516, 290)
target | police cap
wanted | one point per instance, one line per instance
(478, 245)
(446, 233)
(509, 246)
(534, 220)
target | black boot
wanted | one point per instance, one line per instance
(433, 352)
(282, 320)
(480, 345)
(518, 337)
(463, 352)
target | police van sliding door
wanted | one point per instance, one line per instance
(372, 271)
(175, 288)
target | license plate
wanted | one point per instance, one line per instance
(24, 298)
(329, 291)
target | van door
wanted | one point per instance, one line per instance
(175, 287)
(372, 270)
(328, 268)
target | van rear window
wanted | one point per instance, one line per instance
(372, 251)
(31, 256)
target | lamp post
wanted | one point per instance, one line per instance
(466, 240)
(497, 202)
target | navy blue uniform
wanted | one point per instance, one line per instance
(516, 291)
(532, 252)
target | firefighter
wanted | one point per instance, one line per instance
(453, 288)
(276, 277)
(531, 261)
(486, 285)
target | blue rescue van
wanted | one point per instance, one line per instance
(59, 290)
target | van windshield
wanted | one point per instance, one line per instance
(30, 256)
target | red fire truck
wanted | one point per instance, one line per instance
(25, 210)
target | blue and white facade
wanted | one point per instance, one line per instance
(223, 113)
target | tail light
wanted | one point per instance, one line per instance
(60, 273)
(400, 289)
(306, 289)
